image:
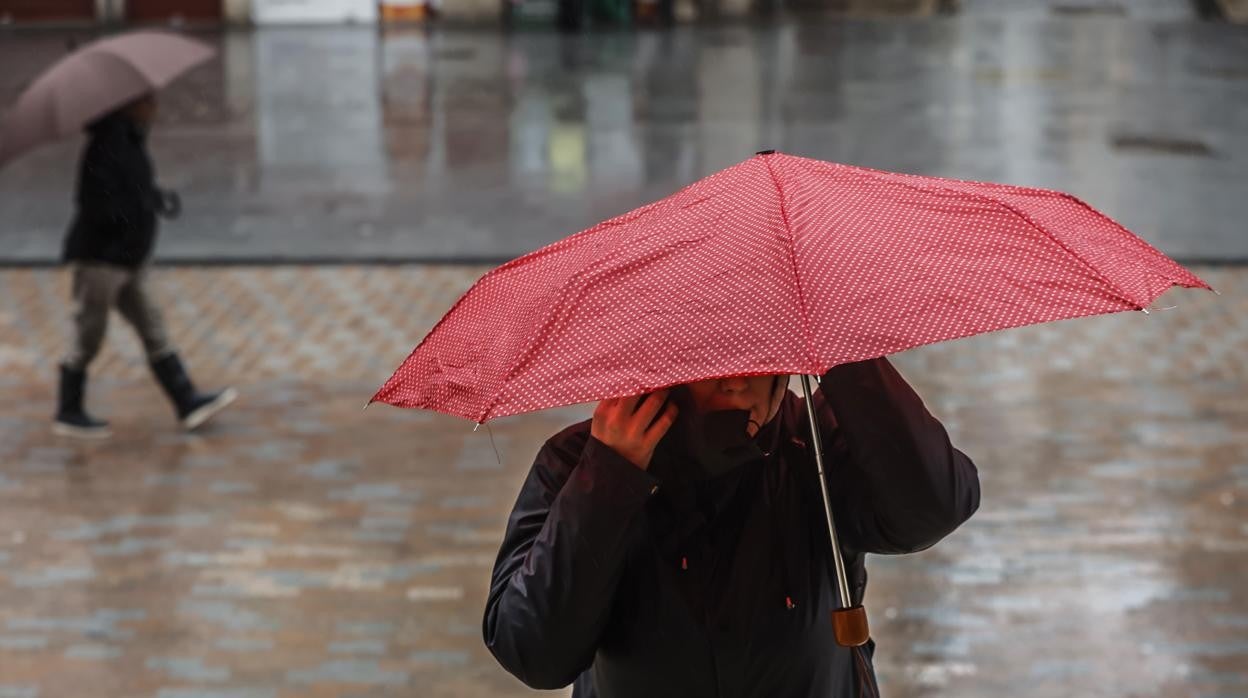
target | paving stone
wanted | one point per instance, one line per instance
(265, 558)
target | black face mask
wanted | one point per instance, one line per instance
(716, 441)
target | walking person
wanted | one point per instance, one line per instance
(109, 248)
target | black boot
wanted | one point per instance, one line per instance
(71, 418)
(194, 408)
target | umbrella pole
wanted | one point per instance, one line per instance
(849, 622)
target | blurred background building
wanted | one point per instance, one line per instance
(527, 11)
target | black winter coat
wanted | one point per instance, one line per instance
(650, 584)
(117, 197)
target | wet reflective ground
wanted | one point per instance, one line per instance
(346, 144)
(303, 547)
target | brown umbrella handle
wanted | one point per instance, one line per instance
(850, 626)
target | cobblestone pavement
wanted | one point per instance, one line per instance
(303, 547)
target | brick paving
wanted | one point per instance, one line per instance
(303, 547)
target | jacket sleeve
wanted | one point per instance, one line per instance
(566, 543)
(898, 482)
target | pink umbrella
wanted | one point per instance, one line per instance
(777, 265)
(93, 81)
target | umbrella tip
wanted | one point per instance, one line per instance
(765, 152)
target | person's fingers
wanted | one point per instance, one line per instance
(649, 407)
(606, 421)
(663, 423)
(603, 410)
(613, 408)
(628, 405)
(619, 407)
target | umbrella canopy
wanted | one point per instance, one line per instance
(93, 81)
(779, 264)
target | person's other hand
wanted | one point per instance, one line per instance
(632, 426)
(168, 204)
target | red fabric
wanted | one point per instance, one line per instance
(779, 264)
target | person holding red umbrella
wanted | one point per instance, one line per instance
(700, 536)
(673, 545)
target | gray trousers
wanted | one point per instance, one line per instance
(97, 289)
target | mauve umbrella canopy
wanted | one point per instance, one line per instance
(93, 81)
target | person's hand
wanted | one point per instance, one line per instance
(632, 426)
(168, 204)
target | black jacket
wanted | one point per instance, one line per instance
(117, 197)
(648, 584)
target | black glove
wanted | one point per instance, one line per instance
(168, 204)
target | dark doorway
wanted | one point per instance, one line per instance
(168, 10)
(47, 10)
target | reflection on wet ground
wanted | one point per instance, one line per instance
(342, 144)
(301, 547)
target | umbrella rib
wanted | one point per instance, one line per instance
(797, 279)
(391, 383)
(532, 343)
(1026, 219)
(1157, 255)
(577, 277)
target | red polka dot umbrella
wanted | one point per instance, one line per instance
(779, 264)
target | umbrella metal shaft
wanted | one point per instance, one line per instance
(817, 441)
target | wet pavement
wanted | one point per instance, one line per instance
(303, 547)
(463, 145)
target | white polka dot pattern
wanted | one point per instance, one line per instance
(779, 264)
